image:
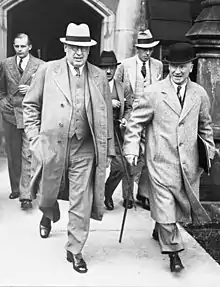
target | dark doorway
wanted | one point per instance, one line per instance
(46, 21)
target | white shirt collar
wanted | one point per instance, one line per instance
(73, 71)
(24, 61)
(111, 84)
(139, 62)
(183, 87)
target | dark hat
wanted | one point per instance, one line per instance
(181, 53)
(108, 58)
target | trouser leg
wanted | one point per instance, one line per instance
(81, 176)
(25, 169)
(13, 140)
(170, 239)
(115, 176)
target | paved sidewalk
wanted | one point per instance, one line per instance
(28, 260)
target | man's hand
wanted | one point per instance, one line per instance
(131, 159)
(109, 161)
(123, 123)
(116, 104)
(23, 89)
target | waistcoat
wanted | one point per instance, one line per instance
(79, 123)
(141, 83)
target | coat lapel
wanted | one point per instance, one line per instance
(29, 70)
(189, 100)
(61, 78)
(120, 94)
(13, 69)
(132, 72)
(170, 97)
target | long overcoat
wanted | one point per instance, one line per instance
(171, 149)
(47, 114)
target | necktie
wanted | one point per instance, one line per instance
(179, 95)
(77, 71)
(19, 66)
(143, 69)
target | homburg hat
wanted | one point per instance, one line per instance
(108, 58)
(145, 40)
(181, 53)
(78, 35)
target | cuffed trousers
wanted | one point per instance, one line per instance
(170, 239)
(19, 159)
(80, 169)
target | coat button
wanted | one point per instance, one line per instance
(60, 125)
(59, 141)
(62, 105)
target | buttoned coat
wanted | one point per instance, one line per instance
(47, 116)
(171, 148)
(10, 78)
(127, 72)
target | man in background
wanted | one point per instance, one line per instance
(16, 74)
(121, 104)
(137, 73)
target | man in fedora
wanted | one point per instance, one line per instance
(121, 104)
(137, 73)
(173, 112)
(68, 120)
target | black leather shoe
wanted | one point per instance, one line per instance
(14, 195)
(26, 204)
(144, 201)
(109, 204)
(78, 262)
(155, 235)
(130, 204)
(175, 262)
(45, 227)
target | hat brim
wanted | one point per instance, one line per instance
(110, 64)
(83, 44)
(147, 46)
(180, 62)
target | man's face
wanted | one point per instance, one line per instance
(144, 53)
(110, 72)
(76, 55)
(22, 47)
(179, 73)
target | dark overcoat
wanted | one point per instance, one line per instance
(47, 114)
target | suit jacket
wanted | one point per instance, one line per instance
(10, 78)
(127, 71)
(125, 100)
(47, 115)
(171, 148)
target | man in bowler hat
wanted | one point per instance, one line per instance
(121, 104)
(173, 111)
(68, 120)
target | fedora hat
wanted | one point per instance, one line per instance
(145, 40)
(181, 53)
(78, 35)
(108, 58)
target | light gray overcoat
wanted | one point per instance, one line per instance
(171, 149)
(47, 114)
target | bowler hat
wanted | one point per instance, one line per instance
(145, 40)
(180, 53)
(108, 58)
(78, 35)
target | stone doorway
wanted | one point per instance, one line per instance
(46, 22)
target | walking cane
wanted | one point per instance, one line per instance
(129, 185)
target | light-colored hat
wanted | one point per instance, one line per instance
(78, 35)
(146, 40)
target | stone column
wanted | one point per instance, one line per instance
(205, 35)
(3, 34)
(127, 17)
